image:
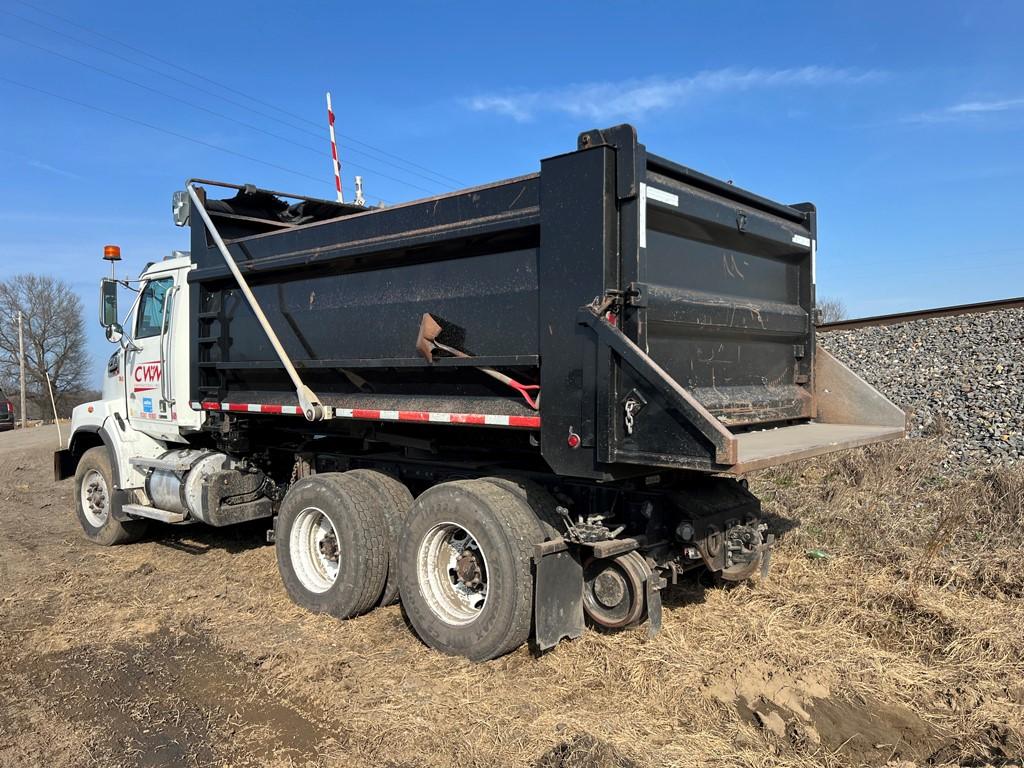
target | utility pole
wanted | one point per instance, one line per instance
(21, 362)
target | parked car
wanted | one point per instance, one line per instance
(6, 415)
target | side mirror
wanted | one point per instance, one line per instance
(115, 333)
(181, 208)
(108, 304)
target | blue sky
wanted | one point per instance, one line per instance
(903, 122)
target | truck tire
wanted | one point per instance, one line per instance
(94, 484)
(538, 499)
(465, 569)
(332, 545)
(395, 502)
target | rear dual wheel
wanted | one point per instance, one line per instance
(463, 564)
(337, 539)
(332, 545)
(466, 575)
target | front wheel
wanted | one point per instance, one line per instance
(466, 577)
(94, 487)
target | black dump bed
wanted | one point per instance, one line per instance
(663, 316)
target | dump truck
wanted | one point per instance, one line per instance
(522, 409)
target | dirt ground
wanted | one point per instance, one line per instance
(890, 632)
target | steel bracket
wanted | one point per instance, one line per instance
(723, 441)
(621, 138)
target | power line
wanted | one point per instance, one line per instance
(169, 132)
(228, 88)
(192, 86)
(221, 115)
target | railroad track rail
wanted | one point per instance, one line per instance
(923, 314)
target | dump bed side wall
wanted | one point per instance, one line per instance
(347, 296)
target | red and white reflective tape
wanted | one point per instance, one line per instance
(439, 417)
(373, 414)
(247, 408)
(334, 150)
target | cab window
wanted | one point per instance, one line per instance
(151, 307)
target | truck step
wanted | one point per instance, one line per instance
(153, 513)
(167, 465)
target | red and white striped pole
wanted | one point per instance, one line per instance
(334, 150)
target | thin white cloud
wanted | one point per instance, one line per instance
(967, 110)
(969, 107)
(53, 169)
(35, 163)
(634, 98)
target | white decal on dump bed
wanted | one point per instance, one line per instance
(643, 215)
(662, 196)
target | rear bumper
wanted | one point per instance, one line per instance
(851, 413)
(768, 447)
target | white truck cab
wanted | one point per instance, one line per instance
(144, 411)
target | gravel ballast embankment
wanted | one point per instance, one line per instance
(961, 378)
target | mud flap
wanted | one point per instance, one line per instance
(766, 555)
(64, 464)
(118, 498)
(557, 595)
(653, 607)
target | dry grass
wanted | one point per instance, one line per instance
(905, 643)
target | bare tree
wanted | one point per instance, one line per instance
(832, 310)
(54, 338)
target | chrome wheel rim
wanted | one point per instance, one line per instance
(315, 550)
(452, 573)
(95, 498)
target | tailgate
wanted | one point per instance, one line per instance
(714, 362)
(727, 283)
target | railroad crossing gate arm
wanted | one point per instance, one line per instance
(310, 403)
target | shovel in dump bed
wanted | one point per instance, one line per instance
(427, 343)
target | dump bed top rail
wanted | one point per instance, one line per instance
(656, 164)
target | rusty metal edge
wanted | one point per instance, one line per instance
(923, 314)
(743, 468)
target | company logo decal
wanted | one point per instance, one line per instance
(147, 374)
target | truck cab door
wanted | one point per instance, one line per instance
(149, 382)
